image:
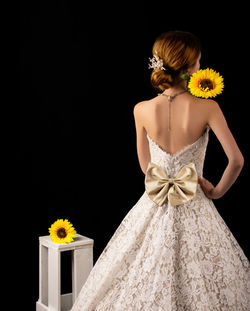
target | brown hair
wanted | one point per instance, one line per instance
(179, 50)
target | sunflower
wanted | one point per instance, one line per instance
(62, 231)
(206, 83)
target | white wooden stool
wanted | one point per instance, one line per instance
(50, 298)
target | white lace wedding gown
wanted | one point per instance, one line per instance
(170, 258)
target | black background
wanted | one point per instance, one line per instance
(82, 69)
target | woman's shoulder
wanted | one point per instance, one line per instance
(188, 97)
(200, 104)
(205, 103)
(142, 105)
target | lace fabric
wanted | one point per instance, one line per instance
(165, 258)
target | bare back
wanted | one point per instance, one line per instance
(188, 118)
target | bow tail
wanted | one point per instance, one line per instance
(160, 195)
(178, 195)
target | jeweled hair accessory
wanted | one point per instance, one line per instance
(156, 62)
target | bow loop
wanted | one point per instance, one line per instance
(178, 190)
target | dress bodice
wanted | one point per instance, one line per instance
(172, 163)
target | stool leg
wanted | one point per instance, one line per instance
(82, 263)
(54, 262)
(43, 275)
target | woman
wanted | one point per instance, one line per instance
(173, 251)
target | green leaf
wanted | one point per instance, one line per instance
(185, 76)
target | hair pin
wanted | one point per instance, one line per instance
(156, 62)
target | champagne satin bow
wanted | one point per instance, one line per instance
(178, 190)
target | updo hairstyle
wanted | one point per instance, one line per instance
(179, 50)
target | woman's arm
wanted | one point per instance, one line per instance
(142, 145)
(219, 126)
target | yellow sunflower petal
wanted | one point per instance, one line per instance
(206, 83)
(62, 231)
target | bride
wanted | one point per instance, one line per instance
(173, 251)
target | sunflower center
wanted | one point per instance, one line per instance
(206, 84)
(61, 233)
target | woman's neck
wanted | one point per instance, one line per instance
(176, 88)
